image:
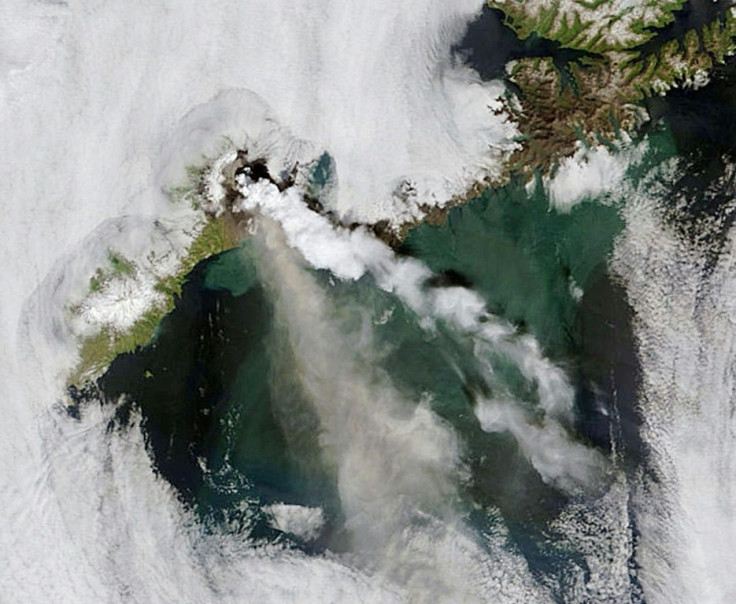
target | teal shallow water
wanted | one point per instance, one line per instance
(204, 389)
(523, 256)
(228, 424)
(226, 421)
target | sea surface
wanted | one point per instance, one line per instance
(230, 424)
(227, 423)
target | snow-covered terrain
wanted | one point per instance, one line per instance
(617, 22)
(103, 105)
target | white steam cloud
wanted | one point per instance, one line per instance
(350, 254)
(104, 103)
(397, 464)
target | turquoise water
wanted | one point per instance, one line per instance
(205, 389)
(228, 425)
(523, 256)
(227, 422)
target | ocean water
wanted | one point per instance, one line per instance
(532, 402)
(229, 419)
(209, 405)
(270, 376)
(488, 45)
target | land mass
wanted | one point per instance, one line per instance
(584, 73)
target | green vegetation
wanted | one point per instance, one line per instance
(120, 265)
(189, 190)
(98, 351)
(598, 26)
(97, 281)
(216, 237)
(600, 93)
